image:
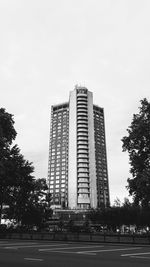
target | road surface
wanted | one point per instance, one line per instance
(20, 253)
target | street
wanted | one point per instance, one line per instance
(20, 253)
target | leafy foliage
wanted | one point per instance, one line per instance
(127, 214)
(137, 143)
(7, 130)
(26, 198)
(37, 209)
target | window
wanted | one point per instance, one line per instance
(83, 195)
(57, 190)
(83, 190)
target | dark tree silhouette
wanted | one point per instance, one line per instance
(137, 143)
(25, 199)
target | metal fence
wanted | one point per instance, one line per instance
(80, 237)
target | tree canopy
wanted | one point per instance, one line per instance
(26, 198)
(7, 130)
(137, 144)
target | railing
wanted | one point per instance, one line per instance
(81, 237)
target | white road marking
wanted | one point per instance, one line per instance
(87, 253)
(25, 243)
(34, 246)
(11, 248)
(32, 259)
(52, 249)
(138, 257)
(106, 250)
(70, 252)
(135, 254)
(13, 245)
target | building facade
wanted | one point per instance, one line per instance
(77, 169)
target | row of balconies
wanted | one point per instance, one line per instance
(83, 175)
(82, 134)
(83, 170)
(81, 146)
(82, 115)
(83, 166)
(81, 110)
(84, 107)
(83, 190)
(82, 138)
(83, 184)
(81, 97)
(83, 160)
(82, 104)
(83, 151)
(83, 142)
(83, 180)
(79, 151)
(82, 129)
(82, 123)
(83, 100)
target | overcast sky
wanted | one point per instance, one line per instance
(49, 46)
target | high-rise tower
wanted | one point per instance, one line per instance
(77, 172)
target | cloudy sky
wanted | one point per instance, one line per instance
(49, 46)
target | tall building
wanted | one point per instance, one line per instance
(77, 169)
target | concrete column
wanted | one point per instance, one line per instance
(92, 164)
(72, 154)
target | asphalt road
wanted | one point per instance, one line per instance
(20, 253)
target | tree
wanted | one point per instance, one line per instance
(7, 130)
(27, 199)
(19, 182)
(137, 143)
(7, 135)
(29, 205)
(16, 181)
(37, 212)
